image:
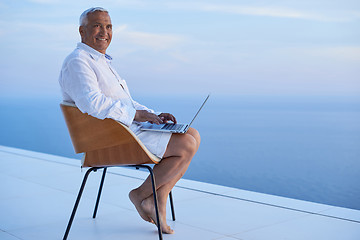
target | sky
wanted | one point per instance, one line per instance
(237, 47)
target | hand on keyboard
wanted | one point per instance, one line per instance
(143, 116)
(165, 117)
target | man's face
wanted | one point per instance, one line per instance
(97, 33)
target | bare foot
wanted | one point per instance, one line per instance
(149, 208)
(137, 203)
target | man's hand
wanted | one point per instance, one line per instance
(165, 117)
(143, 116)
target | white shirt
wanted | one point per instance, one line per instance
(88, 80)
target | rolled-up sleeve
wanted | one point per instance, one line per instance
(80, 82)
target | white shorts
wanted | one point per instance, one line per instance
(155, 142)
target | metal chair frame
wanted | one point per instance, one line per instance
(94, 169)
(107, 143)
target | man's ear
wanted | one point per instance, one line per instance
(81, 31)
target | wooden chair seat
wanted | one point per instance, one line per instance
(105, 142)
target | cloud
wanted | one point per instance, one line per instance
(258, 11)
(270, 11)
(154, 41)
(45, 1)
(28, 38)
(343, 52)
(331, 53)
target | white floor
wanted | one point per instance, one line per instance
(38, 192)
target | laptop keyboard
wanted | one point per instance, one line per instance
(171, 126)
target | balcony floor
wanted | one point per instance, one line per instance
(38, 192)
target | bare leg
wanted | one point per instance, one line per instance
(180, 150)
(162, 193)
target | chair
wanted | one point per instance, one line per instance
(107, 143)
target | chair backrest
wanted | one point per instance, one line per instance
(105, 142)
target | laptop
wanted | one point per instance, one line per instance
(171, 127)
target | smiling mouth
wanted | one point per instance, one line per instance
(101, 39)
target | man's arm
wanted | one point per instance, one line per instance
(79, 81)
(144, 114)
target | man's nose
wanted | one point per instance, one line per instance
(103, 30)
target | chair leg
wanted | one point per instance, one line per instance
(77, 201)
(155, 197)
(99, 193)
(172, 206)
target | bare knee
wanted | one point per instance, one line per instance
(182, 145)
(193, 132)
(190, 144)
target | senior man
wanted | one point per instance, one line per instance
(88, 80)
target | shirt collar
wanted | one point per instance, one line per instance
(92, 52)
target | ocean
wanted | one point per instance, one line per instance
(301, 147)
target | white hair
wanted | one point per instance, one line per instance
(83, 17)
